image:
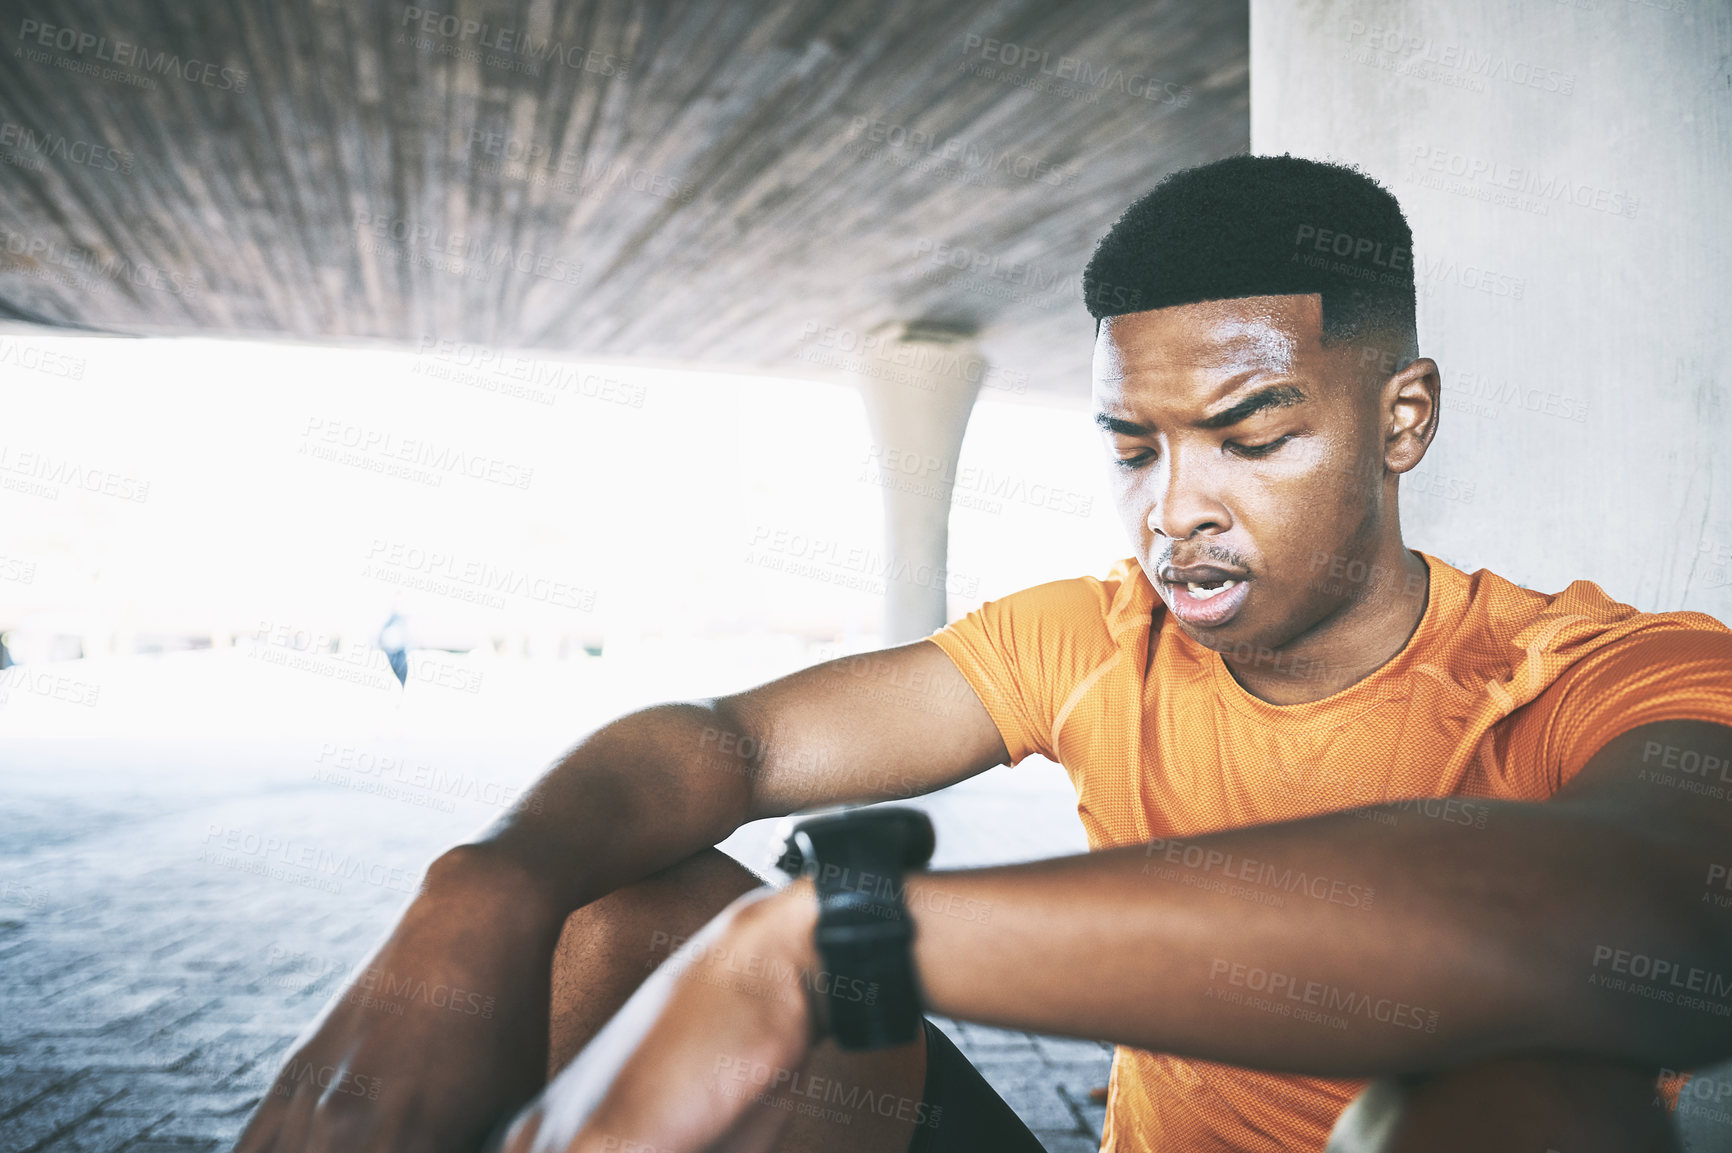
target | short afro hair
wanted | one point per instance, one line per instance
(1262, 226)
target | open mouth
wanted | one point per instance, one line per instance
(1206, 603)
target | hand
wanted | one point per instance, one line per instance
(438, 1036)
(677, 1069)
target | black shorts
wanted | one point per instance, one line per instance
(963, 1113)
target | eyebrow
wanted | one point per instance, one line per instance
(1275, 396)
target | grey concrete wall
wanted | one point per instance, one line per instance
(1567, 169)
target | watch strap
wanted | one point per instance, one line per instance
(865, 936)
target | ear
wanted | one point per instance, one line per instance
(1409, 406)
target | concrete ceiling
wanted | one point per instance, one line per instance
(752, 185)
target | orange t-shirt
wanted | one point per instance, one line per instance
(1501, 692)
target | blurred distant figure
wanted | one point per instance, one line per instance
(394, 642)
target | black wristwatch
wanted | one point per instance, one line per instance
(865, 938)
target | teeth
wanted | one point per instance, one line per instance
(1204, 592)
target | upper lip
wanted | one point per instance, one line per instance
(1203, 574)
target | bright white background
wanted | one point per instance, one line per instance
(656, 496)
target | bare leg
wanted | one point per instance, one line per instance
(1510, 1106)
(850, 1103)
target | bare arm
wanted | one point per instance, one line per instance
(658, 785)
(1582, 925)
(1577, 927)
(639, 794)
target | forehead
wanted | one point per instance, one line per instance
(1189, 346)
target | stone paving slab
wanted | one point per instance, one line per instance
(160, 959)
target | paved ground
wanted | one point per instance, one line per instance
(164, 937)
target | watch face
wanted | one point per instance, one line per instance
(897, 837)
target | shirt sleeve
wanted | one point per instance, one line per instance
(1661, 674)
(1023, 653)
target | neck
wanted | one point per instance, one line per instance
(1349, 644)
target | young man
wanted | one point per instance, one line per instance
(1310, 762)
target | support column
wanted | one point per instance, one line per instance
(919, 390)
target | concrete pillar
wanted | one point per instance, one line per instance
(919, 386)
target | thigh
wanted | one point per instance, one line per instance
(838, 1102)
(609, 946)
(1526, 1105)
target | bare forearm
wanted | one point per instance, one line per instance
(636, 796)
(1340, 945)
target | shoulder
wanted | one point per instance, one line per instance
(1527, 639)
(1025, 653)
(1077, 618)
(1582, 616)
(1089, 605)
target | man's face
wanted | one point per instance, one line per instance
(1243, 450)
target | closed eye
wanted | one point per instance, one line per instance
(1256, 450)
(1136, 461)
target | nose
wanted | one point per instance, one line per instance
(1186, 498)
